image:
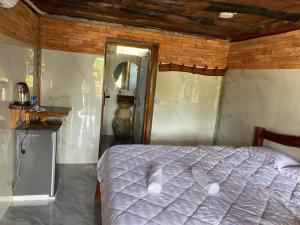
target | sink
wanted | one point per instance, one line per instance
(125, 99)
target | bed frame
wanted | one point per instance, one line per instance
(260, 135)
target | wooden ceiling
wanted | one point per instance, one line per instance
(254, 18)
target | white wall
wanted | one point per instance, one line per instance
(75, 80)
(267, 98)
(185, 108)
(16, 60)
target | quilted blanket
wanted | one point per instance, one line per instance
(252, 190)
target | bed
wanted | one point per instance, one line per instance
(257, 185)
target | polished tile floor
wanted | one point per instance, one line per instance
(74, 204)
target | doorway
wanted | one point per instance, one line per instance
(128, 98)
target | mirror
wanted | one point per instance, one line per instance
(125, 76)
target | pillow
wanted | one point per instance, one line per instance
(283, 161)
(292, 172)
(266, 155)
(261, 154)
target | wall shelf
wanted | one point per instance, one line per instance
(25, 114)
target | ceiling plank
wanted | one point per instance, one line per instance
(108, 13)
(255, 18)
(136, 7)
(252, 10)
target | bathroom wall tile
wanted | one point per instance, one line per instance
(185, 108)
(266, 97)
(16, 61)
(75, 80)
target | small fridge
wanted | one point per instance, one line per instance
(36, 146)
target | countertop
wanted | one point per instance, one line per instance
(48, 109)
(54, 109)
(50, 126)
(27, 114)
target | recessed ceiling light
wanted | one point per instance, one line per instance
(226, 15)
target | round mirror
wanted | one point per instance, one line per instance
(125, 76)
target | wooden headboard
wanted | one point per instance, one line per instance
(262, 134)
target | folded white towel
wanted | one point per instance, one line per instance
(204, 181)
(154, 182)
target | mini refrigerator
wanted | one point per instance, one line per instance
(35, 159)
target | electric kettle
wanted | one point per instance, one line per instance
(22, 96)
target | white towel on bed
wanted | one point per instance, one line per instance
(154, 182)
(204, 181)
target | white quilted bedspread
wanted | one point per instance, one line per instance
(252, 191)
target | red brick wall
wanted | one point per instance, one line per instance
(90, 38)
(20, 23)
(272, 52)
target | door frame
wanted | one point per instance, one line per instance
(150, 92)
(151, 82)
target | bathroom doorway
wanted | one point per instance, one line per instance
(128, 93)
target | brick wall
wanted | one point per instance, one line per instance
(280, 51)
(90, 38)
(20, 22)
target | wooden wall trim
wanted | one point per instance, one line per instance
(192, 69)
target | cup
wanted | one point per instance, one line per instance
(33, 101)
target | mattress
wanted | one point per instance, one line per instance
(252, 190)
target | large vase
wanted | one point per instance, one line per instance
(122, 124)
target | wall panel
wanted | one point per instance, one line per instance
(75, 80)
(268, 98)
(16, 64)
(185, 108)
